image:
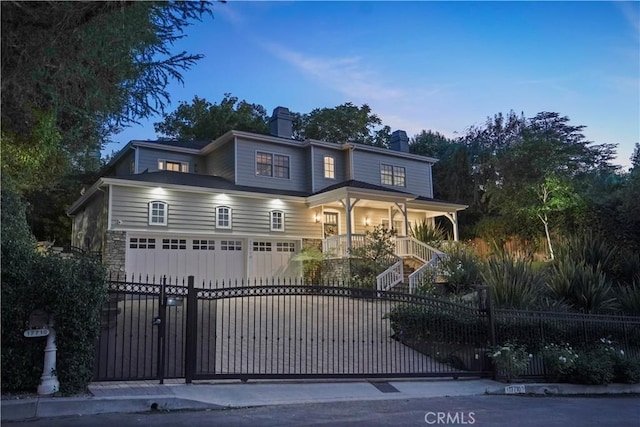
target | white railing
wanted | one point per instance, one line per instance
(391, 276)
(409, 246)
(426, 271)
(336, 246)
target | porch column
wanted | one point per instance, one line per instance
(453, 217)
(348, 207)
(402, 207)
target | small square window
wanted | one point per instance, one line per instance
(392, 175)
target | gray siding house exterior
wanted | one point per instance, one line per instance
(243, 205)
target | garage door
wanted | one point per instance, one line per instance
(179, 257)
(271, 258)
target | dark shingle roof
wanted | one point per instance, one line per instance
(360, 184)
(204, 181)
(195, 145)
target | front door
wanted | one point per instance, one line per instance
(330, 224)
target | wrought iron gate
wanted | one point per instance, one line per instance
(267, 330)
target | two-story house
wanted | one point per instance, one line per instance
(243, 205)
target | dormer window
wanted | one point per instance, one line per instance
(392, 175)
(273, 165)
(329, 167)
(173, 166)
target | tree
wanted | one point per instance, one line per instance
(202, 120)
(344, 123)
(553, 196)
(74, 73)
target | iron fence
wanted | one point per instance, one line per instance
(284, 328)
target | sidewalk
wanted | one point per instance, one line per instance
(173, 395)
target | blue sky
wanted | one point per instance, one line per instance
(423, 65)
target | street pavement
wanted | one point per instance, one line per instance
(139, 397)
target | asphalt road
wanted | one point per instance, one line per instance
(470, 410)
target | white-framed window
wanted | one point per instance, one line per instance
(273, 165)
(392, 175)
(173, 166)
(329, 167)
(277, 220)
(223, 217)
(158, 213)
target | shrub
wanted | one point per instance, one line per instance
(372, 258)
(628, 297)
(582, 287)
(593, 367)
(459, 268)
(514, 283)
(428, 233)
(71, 290)
(559, 360)
(510, 360)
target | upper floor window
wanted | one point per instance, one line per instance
(392, 175)
(275, 165)
(158, 213)
(173, 166)
(223, 217)
(277, 221)
(329, 167)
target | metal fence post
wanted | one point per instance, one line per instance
(162, 308)
(191, 331)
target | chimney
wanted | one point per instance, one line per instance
(399, 141)
(281, 123)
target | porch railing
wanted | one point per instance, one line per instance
(425, 272)
(409, 246)
(391, 276)
(336, 246)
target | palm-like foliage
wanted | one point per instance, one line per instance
(514, 283)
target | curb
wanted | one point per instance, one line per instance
(564, 389)
(14, 410)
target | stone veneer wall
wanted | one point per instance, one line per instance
(115, 247)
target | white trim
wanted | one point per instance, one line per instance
(109, 207)
(217, 219)
(271, 220)
(313, 169)
(273, 166)
(165, 213)
(326, 157)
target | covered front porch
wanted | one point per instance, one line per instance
(347, 213)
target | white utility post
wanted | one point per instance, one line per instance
(49, 383)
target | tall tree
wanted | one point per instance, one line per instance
(344, 123)
(202, 120)
(74, 73)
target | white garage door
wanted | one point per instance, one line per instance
(179, 257)
(270, 258)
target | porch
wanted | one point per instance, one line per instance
(405, 249)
